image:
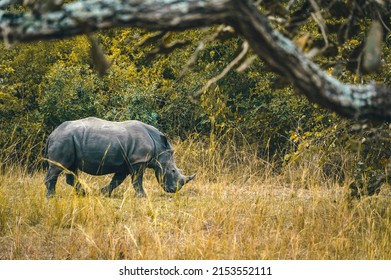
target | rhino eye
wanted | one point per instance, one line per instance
(173, 171)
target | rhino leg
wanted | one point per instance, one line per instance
(72, 181)
(137, 180)
(115, 182)
(51, 179)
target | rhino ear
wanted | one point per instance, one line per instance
(164, 140)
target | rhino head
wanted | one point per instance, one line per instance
(168, 175)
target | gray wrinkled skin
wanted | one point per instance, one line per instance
(100, 147)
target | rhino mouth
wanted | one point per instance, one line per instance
(172, 189)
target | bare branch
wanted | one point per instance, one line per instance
(201, 45)
(4, 3)
(246, 64)
(317, 16)
(153, 38)
(214, 80)
(173, 15)
(383, 23)
(101, 62)
(372, 48)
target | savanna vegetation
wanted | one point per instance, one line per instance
(277, 176)
(237, 208)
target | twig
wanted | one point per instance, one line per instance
(383, 23)
(317, 16)
(199, 48)
(223, 73)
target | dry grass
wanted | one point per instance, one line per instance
(236, 208)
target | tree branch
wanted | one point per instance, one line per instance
(74, 18)
(214, 80)
(355, 101)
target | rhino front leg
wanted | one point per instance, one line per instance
(71, 180)
(115, 182)
(137, 180)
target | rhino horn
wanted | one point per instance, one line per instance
(189, 178)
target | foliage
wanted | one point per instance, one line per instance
(238, 208)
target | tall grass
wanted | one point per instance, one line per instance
(238, 207)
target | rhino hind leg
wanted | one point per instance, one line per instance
(51, 179)
(115, 182)
(71, 180)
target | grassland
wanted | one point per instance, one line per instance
(236, 208)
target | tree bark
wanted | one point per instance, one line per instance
(90, 15)
(369, 101)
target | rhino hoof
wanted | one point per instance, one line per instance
(49, 195)
(141, 194)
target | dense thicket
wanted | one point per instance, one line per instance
(45, 83)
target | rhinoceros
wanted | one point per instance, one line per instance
(100, 147)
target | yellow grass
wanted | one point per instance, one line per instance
(236, 208)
